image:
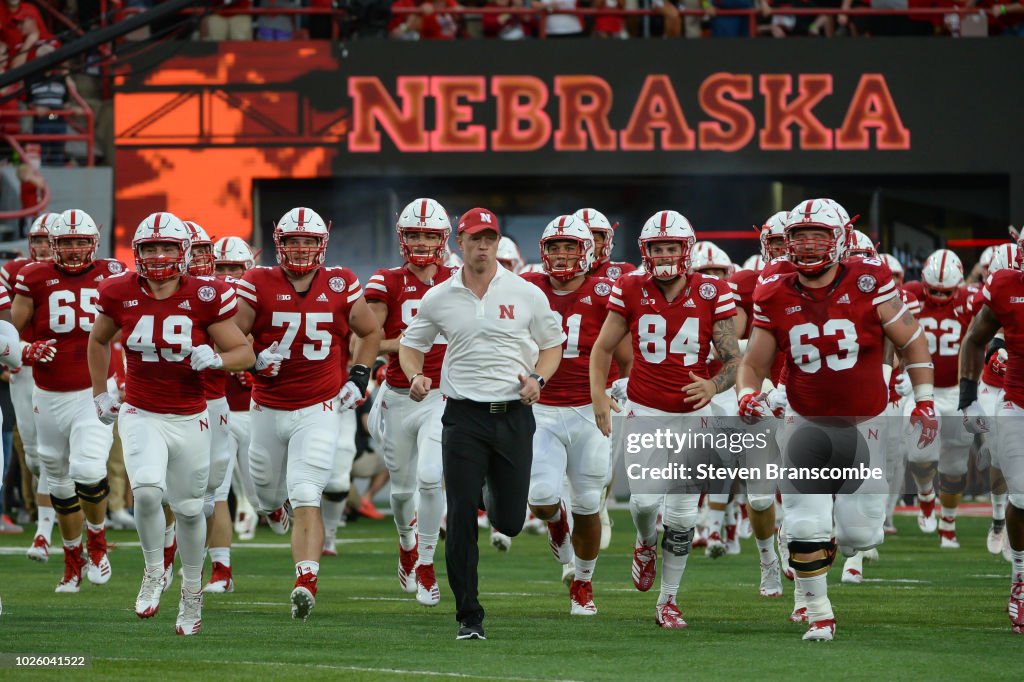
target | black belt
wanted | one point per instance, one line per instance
(493, 408)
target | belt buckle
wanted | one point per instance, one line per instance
(498, 408)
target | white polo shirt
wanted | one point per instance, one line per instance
(491, 340)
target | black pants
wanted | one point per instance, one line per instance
(479, 447)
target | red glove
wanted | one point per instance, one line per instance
(924, 415)
(997, 363)
(39, 351)
(753, 408)
(243, 378)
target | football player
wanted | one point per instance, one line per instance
(232, 259)
(944, 317)
(831, 319)
(22, 386)
(299, 314)
(509, 255)
(673, 318)
(410, 432)
(172, 324)
(567, 442)
(1001, 292)
(56, 301)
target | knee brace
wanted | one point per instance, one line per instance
(93, 493)
(811, 567)
(677, 542)
(953, 485)
(335, 497)
(760, 503)
(65, 505)
(305, 495)
(587, 503)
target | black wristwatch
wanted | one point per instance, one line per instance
(539, 378)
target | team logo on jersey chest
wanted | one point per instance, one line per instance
(867, 283)
(613, 272)
(707, 291)
(602, 289)
(114, 267)
(206, 294)
(51, 282)
(1017, 299)
(337, 284)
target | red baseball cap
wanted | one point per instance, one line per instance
(477, 220)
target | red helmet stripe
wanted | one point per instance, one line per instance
(942, 267)
(586, 216)
(664, 219)
(808, 210)
(562, 221)
(423, 210)
(302, 217)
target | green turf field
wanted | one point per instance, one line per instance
(924, 614)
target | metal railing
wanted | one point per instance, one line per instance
(80, 120)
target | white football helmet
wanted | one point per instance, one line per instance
(709, 256)
(567, 228)
(39, 236)
(451, 259)
(773, 237)
(814, 256)
(201, 263)
(301, 222)
(509, 255)
(895, 266)
(755, 263)
(597, 222)
(942, 275)
(423, 215)
(985, 260)
(847, 222)
(73, 224)
(1003, 256)
(233, 251)
(162, 228)
(667, 226)
(860, 245)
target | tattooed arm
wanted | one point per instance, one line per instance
(723, 336)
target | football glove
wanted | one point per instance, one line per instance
(903, 385)
(353, 393)
(997, 362)
(38, 351)
(268, 362)
(753, 408)
(618, 389)
(107, 405)
(975, 420)
(923, 415)
(204, 357)
(778, 401)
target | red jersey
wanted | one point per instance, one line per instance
(237, 394)
(1004, 295)
(832, 338)
(777, 266)
(65, 310)
(611, 270)
(158, 336)
(581, 315)
(743, 283)
(945, 326)
(401, 291)
(988, 377)
(8, 276)
(670, 340)
(311, 329)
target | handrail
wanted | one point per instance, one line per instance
(31, 210)
(84, 133)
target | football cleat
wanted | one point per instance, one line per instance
(799, 615)
(927, 519)
(98, 570)
(246, 521)
(645, 565)
(947, 533)
(821, 631)
(220, 579)
(732, 542)
(771, 579)
(1016, 607)
(304, 596)
(190, 613)
(715, 547)
(700, 538)
(40, 550)
(481, 519)
(169, 553)
(330, 546)
(668, 615)
(994, 541)
(74, 562)
(427, 591)
(569, 573)
(559, 538)
(871, 554)
(280, 520)
(852, 576)
(406, 566)
(121, 519)
(148, 601)
(581, 599)
(500, 541)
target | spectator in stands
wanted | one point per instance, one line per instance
(321, 26)
(23, 30)
(1007, 18)
(508, 26)
(797, 25)
(610, 25)
(560, 25)
(673, 21)
(48, 93)
(276, 26)
(429, 24)
(230, 26)
(729, 26)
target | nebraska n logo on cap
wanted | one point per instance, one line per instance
(485, 217)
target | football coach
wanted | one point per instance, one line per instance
(504, 343)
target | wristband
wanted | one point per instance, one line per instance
(360, 376)
(924, 392)
(413, 377)
(744, 391)
(968, 392)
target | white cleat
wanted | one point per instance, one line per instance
(994, 541)
(799, 615)
(98, 573)
(744, 530)
(481, 520)
(821, 631)
(500, 541)
(122, 520)
(716, 547)
(148, 601)
(581, 599)
(330, 547)
(280, 519)
(771, 579)
(569, 573)
(190, 613)
(303, 602)
(927, 519)
(948, 542)
(40, 550)
(246, 520)
(427, 591)
(852, 576)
